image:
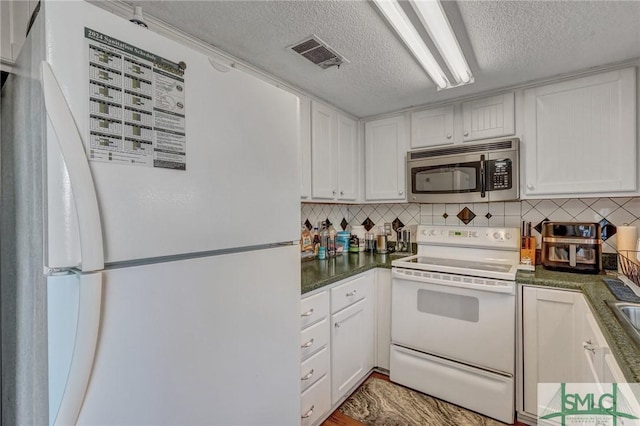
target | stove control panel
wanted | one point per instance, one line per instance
(468, 237)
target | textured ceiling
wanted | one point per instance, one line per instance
(506, 43)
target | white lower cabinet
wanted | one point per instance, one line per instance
(352, 333)
(315, 383)
(562, 343)
(316, 402)
(336, 344)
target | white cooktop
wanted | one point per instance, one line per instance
(478, 252)
(505, 270)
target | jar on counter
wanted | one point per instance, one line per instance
(360, 232)
(342, 242)
(354, 244)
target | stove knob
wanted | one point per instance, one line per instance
(496, 235)
(507, 236)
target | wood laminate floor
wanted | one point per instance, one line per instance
(338, 418)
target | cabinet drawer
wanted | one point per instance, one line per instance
(314, 308)
(316, 401)
(314, 368)
(350, 292)
(314, 338)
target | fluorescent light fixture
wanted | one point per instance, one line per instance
(437, 25)
(435, 21)
(401, 24)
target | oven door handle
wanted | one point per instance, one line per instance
(483, 178)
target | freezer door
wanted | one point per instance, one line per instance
(241, 154)
(213, 340)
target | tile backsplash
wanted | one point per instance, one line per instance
(607, 211)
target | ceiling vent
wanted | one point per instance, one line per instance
(318, 52)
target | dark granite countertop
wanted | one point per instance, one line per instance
(319, 273)
(623, 347)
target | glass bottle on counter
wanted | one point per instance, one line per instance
(331, 247)
(324, 238)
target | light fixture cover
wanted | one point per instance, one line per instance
(396, 17)
(433, 18)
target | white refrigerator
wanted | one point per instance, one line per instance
(150, 217)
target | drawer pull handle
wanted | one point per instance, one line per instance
(351, 293)
(308, 313)
(308, 413)
(587, 347)
(308, 375)
(308, 344)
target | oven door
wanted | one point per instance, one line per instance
(469, 325)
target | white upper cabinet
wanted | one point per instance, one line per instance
(488, 118)
(335, 172)
(385, 164)
(432, 127)
(348, 153)
(324, 181)
(485, 118)
(580, 137)
(305, 147)
(13, 26)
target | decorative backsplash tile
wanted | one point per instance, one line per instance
(609, 212)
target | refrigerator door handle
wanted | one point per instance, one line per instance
(84, 348)
(73, 152)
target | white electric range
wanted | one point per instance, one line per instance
(453, 317)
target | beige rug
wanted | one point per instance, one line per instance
(381, 403)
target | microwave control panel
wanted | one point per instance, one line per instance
(500, 173)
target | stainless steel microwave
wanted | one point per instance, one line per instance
(467, 173)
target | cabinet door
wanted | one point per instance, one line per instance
(348, 154)
(593, 347)
(323, 152)
(432, 127)
(351, 347)
(580, 136)
(13, 26)
(385, 164)
(488, 118)
(305, 148)
(551, 336)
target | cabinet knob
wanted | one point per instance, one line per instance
(334, 192)
(466, 133)
(400, 192)
(341, 192)
(448, 135)
(529, 186)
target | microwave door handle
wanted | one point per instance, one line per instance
(483, 180)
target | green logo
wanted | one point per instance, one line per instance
(567, 408)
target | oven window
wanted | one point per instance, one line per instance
(446, 179)
(465, 308)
